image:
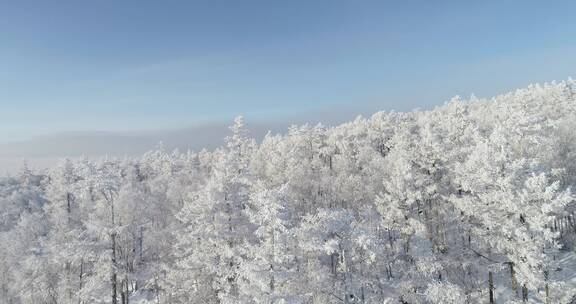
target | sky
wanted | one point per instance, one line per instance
(122, 66)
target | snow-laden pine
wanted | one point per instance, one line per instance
(470, 202)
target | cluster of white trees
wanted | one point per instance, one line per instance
(466, 203)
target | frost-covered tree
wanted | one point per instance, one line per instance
(268, 270)
(216, 226)
(470, 202)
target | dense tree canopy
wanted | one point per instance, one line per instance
(467, 203)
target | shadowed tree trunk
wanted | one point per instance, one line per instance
(524, 293)
(514, 282)
(491, 287)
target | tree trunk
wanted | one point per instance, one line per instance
(390, 239)
(547, 288)
(272, 263)
(513, 279)
(113, 279)
(122, 296)
(141, 244)
(80, 279)
(524, 293)
(333, 262)
(68, 270)
(127, 291)
(491, 287)
(69, 206)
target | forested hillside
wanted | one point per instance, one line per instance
(467, 203)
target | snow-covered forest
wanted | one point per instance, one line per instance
(467, 203)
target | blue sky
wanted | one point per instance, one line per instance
(68, 66)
